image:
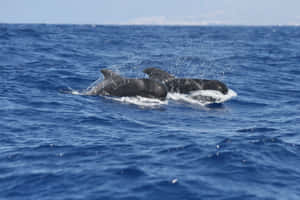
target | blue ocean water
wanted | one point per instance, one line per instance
(62, 146)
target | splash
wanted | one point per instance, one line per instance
(90, 90)
(94, 84)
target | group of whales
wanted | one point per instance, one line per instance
(156, 86)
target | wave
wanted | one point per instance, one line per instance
(200, 97)
(256, 129)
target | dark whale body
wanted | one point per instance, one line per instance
(184, 85)
(115, 85)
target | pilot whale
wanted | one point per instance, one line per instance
(184, 85)
(115, 85)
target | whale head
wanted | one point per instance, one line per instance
(215, 85)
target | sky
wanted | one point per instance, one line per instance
(158, 12)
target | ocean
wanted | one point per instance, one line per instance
(57, 145)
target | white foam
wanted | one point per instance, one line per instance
(72, 91)
(218, 96)
(75, 92)
(140, 101)
(183, 98)
(203, 97)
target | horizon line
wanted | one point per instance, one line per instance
(145, 24)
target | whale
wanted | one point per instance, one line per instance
(184, 85)
(118, 86)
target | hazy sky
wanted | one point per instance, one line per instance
(189, 12)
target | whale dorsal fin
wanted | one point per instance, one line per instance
(158, 74)
(108, 74)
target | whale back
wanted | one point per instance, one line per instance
(158, 74)
(140, 87)
(184, 85)
(115, 85)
